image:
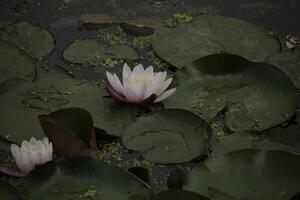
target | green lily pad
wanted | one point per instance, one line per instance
(284, 136)
(228, 82)
(247, 174)
(14, 63)
(210, 34)
(20, 123)
(240, 141)
(178, 195)
(4, 24)
(22, 102)
(289, 62)
(81, 178)
(8, 192)
(168, 136)
(90, 52)
(35, 40)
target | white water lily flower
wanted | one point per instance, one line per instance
(139, 85)
(32, 153)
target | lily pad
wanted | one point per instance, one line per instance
(81, 178)
(289, 62)
(36, 40)
(22, 102)
(90, 52)
(168, 136)
(240, 141)
(14, 63)
(285, 136)
(228, 82)
(210, 34)
(178, 195)
(248, 174)
(71, 131)
(8, 192)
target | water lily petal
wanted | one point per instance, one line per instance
(148, 73)
(130, 91)
(130, 94)
(25, 163)
(138, 84)
(126, 71)
(115, 94)
(157, 84)
(165, 95)
(45, 141)
(141, 91)
(50, 152)
(34, 152)
(157, 80)
(16, 151)
(119, 84)
(115, 83)
(138, 70)
(32, 141)
(164, 86)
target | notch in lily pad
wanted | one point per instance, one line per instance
(71, 131)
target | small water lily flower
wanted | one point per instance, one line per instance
(32, 153)
(140, 85)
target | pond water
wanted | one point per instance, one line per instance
(242, 106)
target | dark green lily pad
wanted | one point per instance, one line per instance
(178, 195)
(14, 63)
(21, 102)
(284, 136)
(90, 52)
(289, 62)
(210, 34)
(81, 178)
(35, 40)
(248, 174)
(240, 141)
(168, 136)
(8, 192)
(228, 82)
(20, 122)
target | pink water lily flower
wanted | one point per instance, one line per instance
(139, 85)
(32, 153)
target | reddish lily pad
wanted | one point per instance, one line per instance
(71, 131)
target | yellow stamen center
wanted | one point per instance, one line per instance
(142, 80)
